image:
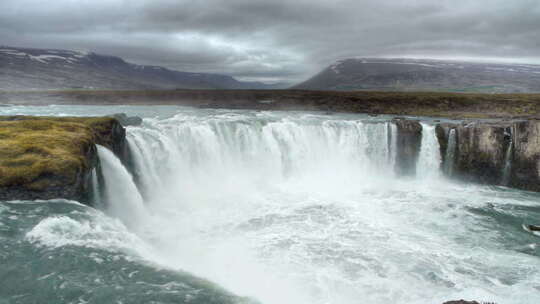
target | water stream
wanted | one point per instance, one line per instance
(450, 155)
(507, 171)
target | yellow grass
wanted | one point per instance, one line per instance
(34, 148)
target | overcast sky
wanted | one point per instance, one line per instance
(276, 39)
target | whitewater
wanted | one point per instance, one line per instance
(239, 206)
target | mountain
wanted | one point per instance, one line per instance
(425, 75)
(24, 69)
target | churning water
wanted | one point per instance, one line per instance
(269, 207)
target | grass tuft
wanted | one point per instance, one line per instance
(36, 151)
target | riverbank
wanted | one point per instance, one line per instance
(448, 105)
(53, 157)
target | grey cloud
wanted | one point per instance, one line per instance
(273, 40)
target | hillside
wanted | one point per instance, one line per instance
(425, 75)
(31, 69)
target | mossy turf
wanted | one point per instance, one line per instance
(35, 151)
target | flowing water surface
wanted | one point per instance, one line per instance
(237, 206)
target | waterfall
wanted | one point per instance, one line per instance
(429, 159)
(450, 155)
(391, 130)
(236, 152)
(122, 198)
(96, 192)
(507, 170)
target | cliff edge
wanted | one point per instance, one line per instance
(46, 157)
(505, 153)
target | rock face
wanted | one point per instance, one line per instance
(525, 173)
(47, 158)
(126, 120)
(480, 150)
(409, 140)
(502, 153)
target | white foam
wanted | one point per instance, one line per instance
(429, 159)
(13, 52)
(63, 231)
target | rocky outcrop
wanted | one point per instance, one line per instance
(480, 150)
(126, 120)
(498, 153)
(525, 173)
(47, 158)
(408, 142)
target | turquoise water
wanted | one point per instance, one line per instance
(269, 207)
(62, 252)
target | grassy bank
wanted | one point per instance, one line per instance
(36, 151)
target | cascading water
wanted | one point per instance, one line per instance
(429, 160)
(96, 191)
(122, 196)
(179, 153)
(391, 130)
(507, 170)
(283, 207)
(450, 155)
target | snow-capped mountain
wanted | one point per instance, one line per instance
(425, 75)
(26, 69)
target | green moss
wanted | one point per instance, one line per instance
(32, 149)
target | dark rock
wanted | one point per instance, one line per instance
(128, 120)
(483, 149)
(442, 131)
(409, 140)
(533, 228)
(78, 188)
(526, 160)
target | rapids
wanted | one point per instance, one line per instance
(275, 207)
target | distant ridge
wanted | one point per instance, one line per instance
(425, 75)
(35, 69)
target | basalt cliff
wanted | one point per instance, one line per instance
(505, 153)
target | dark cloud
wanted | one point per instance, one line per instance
(279, 39)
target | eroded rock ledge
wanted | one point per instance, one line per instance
(499, 153)
(505, 153)
(408, 143)
(47, 158)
